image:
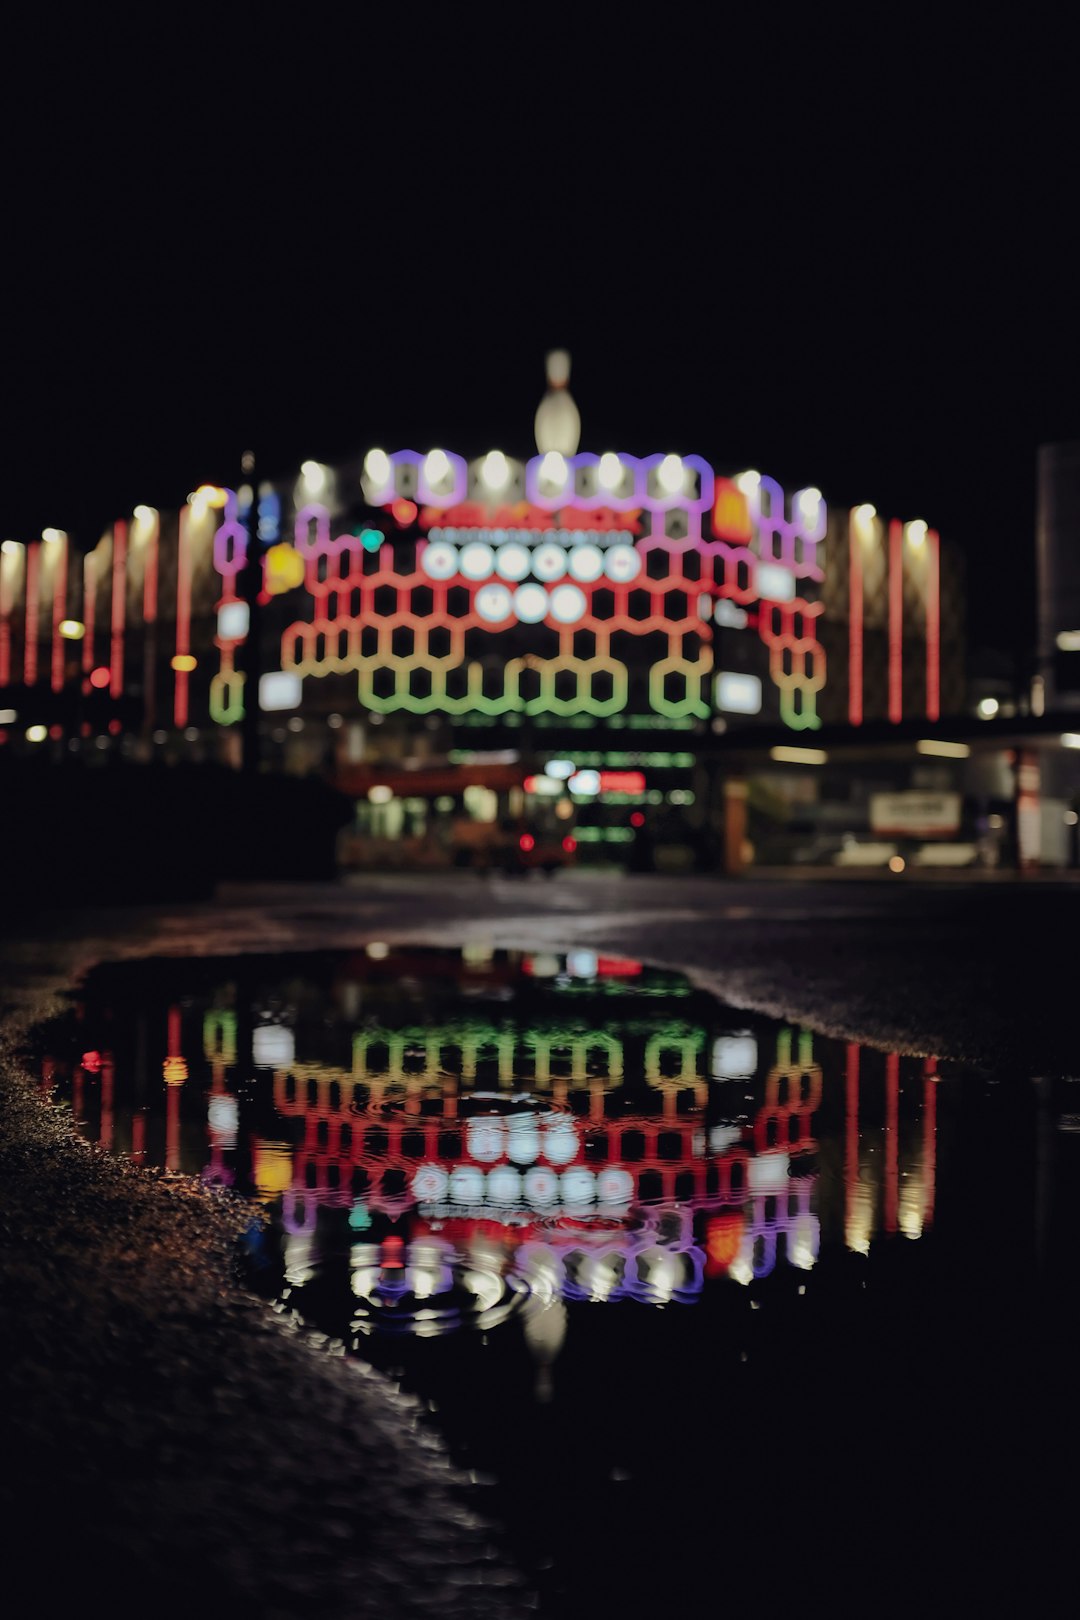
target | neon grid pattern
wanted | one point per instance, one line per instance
(597, 587)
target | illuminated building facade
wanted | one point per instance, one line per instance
(489, 599)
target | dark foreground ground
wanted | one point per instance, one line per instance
(175, 1447)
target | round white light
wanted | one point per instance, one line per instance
(377, 466)
(585, 782)
(864, 518)
(578, 1186)
(560, 769)
(493, 603)
(549, 562)
(486, 1140)
(987, 708)
(622, 564)
(531, 603)
(747, 482)
(222, 1116)
(609, 473)
(671, 475)
(560, 1142)
(568, 604)
(808, 501)
(50, 535)
(436, 467)
(541, 1185)
(314, 477)
(553, 470)
(916, 533)
(430, 1183)
(504, 1185)
(524, 1144)
(477, 560)
(495, 470)
(36, 734)
(615, 1186)
(512, 561)
(11, 548)
(439, 560)
(586, 563)
(466, 1184)
(144, 514)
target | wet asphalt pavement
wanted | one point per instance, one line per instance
(175, 1444)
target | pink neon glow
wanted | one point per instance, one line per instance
(892, 1139)
(929, 1139)
(119, 604)
(59, 607)
(183, 618)
(89, 590)
(33, 574)
(855, 626)
(933, 626)
(896, 622)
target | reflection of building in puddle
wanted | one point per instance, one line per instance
(613, 1151)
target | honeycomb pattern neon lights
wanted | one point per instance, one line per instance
(580, 601)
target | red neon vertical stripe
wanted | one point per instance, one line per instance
(892, 1138)
(89, 606)
(33, 574)
(119, 610)
(929, 1139)
(183, 619)
(851, 1150)
(59, 609)
(108, 1072)
(896, 622)
(855, 624)
(933, 626)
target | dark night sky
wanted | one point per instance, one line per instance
(843, 255)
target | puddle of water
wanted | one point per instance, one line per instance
(686, 1285)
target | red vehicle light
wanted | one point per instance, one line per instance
(569, 844)
(527, 842)
(637, 819)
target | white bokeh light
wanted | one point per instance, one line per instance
(493, 603)
(549, 562)
(671, 475)
(486, 1140)
(436, 467)
(495, 470)
(504, 1185)
(524, 1144)
(553, 470)
(568, 604)
(622, 564)
(477, 560)
(512, 561)
(541, 1185)
(439, 560)
(609, 473)
(377, 467)
(430, 1183)
(531, 603)
(586, 563)
(560, 1142)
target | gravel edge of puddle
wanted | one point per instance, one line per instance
(155, 1427)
